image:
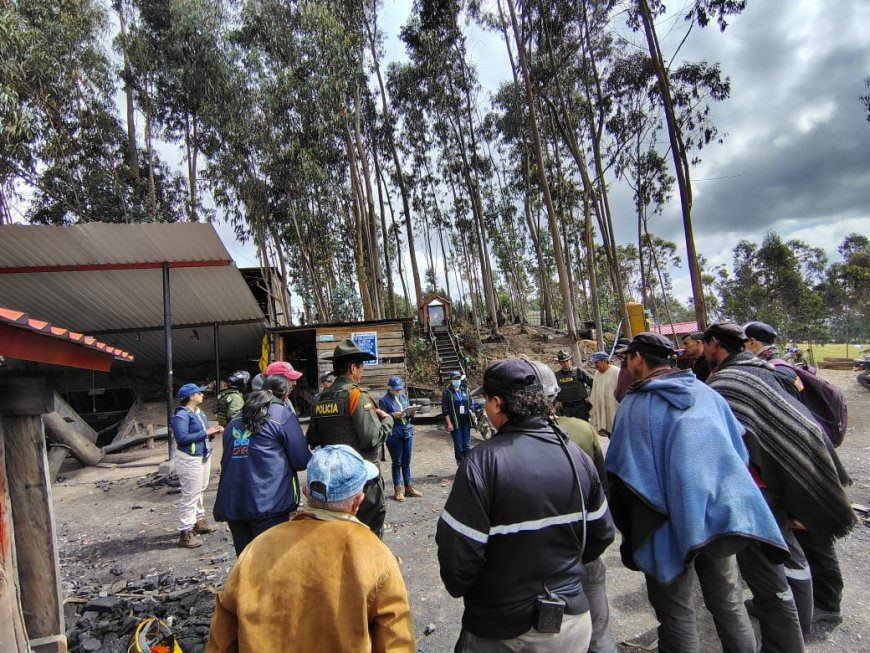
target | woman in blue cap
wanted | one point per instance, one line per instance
(401, 440)
(192, 463)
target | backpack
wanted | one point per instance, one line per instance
(825, 401)
(222, 406)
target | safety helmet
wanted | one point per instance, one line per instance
(153, 636)
(239, 379)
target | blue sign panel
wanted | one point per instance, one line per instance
(368, 342)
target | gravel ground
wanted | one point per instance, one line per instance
(114, 530)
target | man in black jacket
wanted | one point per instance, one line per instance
(510, 539)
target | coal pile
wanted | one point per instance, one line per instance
(104, 623)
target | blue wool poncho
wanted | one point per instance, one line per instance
(677, 446)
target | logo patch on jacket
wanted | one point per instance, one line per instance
(326, 408)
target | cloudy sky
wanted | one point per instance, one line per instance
(796, 158)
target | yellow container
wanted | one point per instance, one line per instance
(637, 318)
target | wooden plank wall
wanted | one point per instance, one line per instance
(391, 352)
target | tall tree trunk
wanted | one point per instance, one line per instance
(283, 292)
(390, 304)
(132, 148)
(545, 186)
(191, 140)
(370, 225)
(397, 163)
(149, 151)
(395, 229)
(357, 212)
(681, 161)
(593, 274)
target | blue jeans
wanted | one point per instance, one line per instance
(461, 441)
(400, 453)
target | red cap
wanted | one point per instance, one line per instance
(281, 368)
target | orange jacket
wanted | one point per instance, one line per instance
(320, 582)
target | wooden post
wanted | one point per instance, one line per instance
(12, 634)
(149, 431)
(35, 537)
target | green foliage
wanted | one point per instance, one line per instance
(420, 361)
(773, 283)
(846, 290)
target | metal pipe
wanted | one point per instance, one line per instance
(167, 340)
(217, 359)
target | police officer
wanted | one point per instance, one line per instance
(345, 414)
(575, 385)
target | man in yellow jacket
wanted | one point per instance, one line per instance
(320, 582)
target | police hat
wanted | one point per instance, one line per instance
(347, 349)
(760, 331)
(647, 342)
(563, 356)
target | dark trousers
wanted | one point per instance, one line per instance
(675, 607)
(373, 509)
(595, 589)
(461, 440)
(576, 409)
(772, 598)
(245, 531)
(825, 568)
(400, 453)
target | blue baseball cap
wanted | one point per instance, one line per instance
(395, 383)
(599, 356)
(456, 374)
(189, 389)
(337, 472)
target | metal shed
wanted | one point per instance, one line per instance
(165, 292)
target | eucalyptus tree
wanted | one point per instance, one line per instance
(389, 121)
(446, 88)
(62, 137)
(189, 73)
(641, 16)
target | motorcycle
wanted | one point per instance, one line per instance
(864, 375)
(480, 421)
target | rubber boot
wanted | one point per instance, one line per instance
(398, 494)
(187, 539)
(411, 491)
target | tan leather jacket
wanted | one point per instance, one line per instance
(320, 582)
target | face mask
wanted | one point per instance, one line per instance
(455, 384)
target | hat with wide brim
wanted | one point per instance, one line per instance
(347, 349)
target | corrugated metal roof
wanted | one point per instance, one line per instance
(205, 286)
(22, 320)
(100, 243)
(677, 328)
(192, 345)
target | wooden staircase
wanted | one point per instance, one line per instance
(446, 352)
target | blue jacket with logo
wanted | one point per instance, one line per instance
(188, 427)
(391, 403)
(258, 470)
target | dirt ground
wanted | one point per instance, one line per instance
(113, 530)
